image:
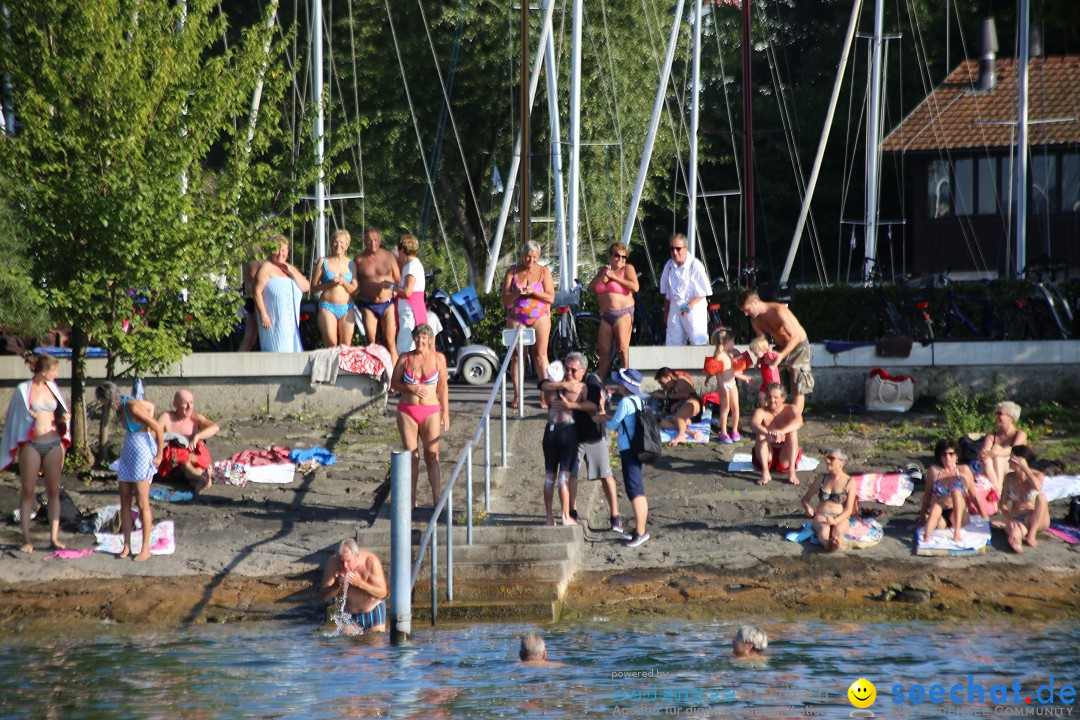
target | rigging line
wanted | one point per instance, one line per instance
(616, 120)
(788, 131)
(419, 141)
(356, 107)
(849, 159)
(736, 160)
(453, 122)
(965, 224)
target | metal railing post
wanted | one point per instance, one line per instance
(502, 421)
(487, 466)
(400, 546)
(468, 496)
(521, 375)
(450, 545)
(434, 575)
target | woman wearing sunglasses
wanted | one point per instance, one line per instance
(948, 487)
(615, 285)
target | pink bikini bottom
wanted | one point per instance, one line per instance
(419, 413)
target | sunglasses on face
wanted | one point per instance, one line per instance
(677, 248)
(617, 255)
(949, 452)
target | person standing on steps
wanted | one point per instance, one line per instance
(377, 273)
(624, 420)
(685, 286)
(792, 346)
(527, 293)
(594, 446)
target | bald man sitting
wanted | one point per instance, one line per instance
(186, 455)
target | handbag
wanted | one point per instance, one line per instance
(889, 393)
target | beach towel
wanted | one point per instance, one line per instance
(272, 474)
(886, 488)
(1065, 532)
(162, 541)
(987, 493)
(324, 365)
(862, 533)
(69, 554)
(226, 472)
(19, 424)
(276, 455)
(373, 360)
(319, 454)
(164, 494)
(1056, 487)
(743, 462)
(703, 430)
(974, 537)
(281, 297)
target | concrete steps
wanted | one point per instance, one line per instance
(510, 572)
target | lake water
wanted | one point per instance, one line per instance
(292, 671)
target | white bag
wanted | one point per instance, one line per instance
(886, 394)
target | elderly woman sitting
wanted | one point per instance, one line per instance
(835, 491)
(998, 445)
(1023, 504)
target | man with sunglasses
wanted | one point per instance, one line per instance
(684, 285)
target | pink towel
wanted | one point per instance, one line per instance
(372, 360)
(68, 554)
(1070, 535)
(886, 488)
(276, 455)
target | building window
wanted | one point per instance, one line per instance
(1044, 192)
(964, 186)
(938, 190)
(1070, 183)
(988, 186)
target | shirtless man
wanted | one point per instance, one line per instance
(377, 273)
(185, 433)
(361, 573)
(792, 347)
(776, 427)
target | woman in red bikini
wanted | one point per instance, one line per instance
(423, 410)
(527, 293)
(615, 285)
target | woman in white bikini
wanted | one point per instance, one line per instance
(998, 445)
(36, 435)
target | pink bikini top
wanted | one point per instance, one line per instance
(410, 379)
(613, 287)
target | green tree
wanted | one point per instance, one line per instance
(136, 182)
(22, 309)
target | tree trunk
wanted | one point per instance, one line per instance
(79, 342)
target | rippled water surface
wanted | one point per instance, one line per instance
(291, 671)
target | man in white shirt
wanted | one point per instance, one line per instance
(685, 285)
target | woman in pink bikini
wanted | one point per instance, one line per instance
(423, 410)
(615, 285)
(527, 293)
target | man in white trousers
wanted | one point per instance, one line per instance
(685, 287)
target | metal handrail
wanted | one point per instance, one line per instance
(465, 460)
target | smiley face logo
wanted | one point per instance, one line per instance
(862, 693)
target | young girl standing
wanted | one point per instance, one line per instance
(766, 356)
(722, 367)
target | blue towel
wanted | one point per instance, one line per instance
(324, 456)
(839, 346)
(281, 296)
(802, 535)
(167, 495)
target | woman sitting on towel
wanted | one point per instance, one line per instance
(998, 445)
(36, 435)
(1023, 503)
(424, 407)
(948, 486)
(835, 491)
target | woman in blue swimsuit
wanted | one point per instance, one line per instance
(333, 277)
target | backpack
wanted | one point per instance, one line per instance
(645, 443)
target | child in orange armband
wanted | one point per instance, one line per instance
(759, 346)
(722, 366)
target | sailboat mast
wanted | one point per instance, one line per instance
(873, 143)
(691, 224)
(526, 105)
(1022, 136)
(748, 144)
(317, 86)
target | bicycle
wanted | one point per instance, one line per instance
(905, 316)
(573, 330)
(997, 321)
(1048, 307)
